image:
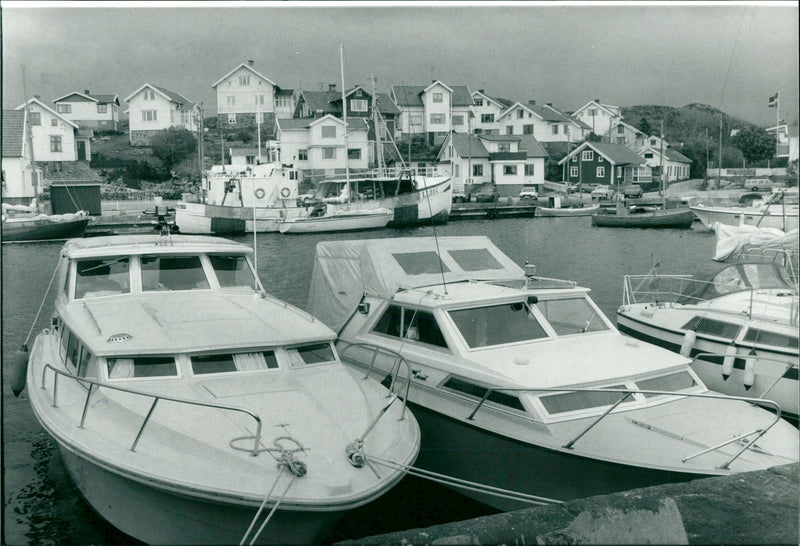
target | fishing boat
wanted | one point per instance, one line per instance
(578, 210)
(520, 382)
(779, 211)
(190, 406)
(643, 217)
(739, 321)
(328, 218)
(30, 226)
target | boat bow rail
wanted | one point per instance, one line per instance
(398, 361)
(754, 434)
(254, 451)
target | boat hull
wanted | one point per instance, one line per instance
(43, 230)
(786, 390)
(156, 516)
(567, 211)
(324, 224)
(670, 218)
(503, 462)
(734, 216)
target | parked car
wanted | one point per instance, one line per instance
(572, 188)
(487, 194)
(758, 184)
(458, 196)
(587, 188)
(602, 192)
(633, 190)
(528, 192)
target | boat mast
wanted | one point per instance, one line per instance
(663, 187)
(378, 139)
(29, 138)
(344, 115)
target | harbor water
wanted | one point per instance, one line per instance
(42, 506)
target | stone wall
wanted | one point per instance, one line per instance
(141, 138)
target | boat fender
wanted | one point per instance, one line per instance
(749, 372)
(20, 370)
(285, 192)
(727, 362)
(260, 193)
(688, 342)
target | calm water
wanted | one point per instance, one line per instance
(42, 506)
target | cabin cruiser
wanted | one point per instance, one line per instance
(779, 210)
(739, 321)
(520, 382)
(190, 406)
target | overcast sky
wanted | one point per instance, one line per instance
(732, 56)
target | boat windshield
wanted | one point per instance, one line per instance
(102, 277)
(572, 316)
(232, 271)
(165, 273)
(497, 324)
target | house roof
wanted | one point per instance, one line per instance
(13, 133)
(532, 146)
(631, 127)
(438, 82)
(411, 95)
(514, 106)
(45, 107)
(499, 101)
(467, 145)
(305, 123)
(330, 102)
(674, 155)
(613, 110)
(166, 93)
(508, 156)
(102, 99)
(616, 154)
(244, 151)
(498, 138)
(283, 92)
(248, 67)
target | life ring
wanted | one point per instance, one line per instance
(260, 193)
(285, 192)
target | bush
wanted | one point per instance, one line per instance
(144, 171)
(173, 145)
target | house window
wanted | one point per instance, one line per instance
(520, 114)
(529, 169)
(302, 155)
(328, 131)
(509, 169)
(587, 155)
(260, 100)
(329, 153)
(232, 119)
(620, 129)
(230, 100)
(438, 119)
(648, 155)
(504, 147)
(54, 122)
(359, 105)
(102, 108)
(555, 129)
(149, 94)
(186, 118)
(601, 172)
(458, 120)
(575, 158)
(455, 171)
(509, 129)
(478, 102)
(487, 118)
(527, 129)
(619, 172)
(149, 115)
(244, 80)
(354, 153)
(573, 172)
(438, 97)
(36, 118)
(477, 170)
(64, 108)
(652, 142)
(599, 158)
(55, 143)
(478, 131)
(593, 112)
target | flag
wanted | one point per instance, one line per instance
(773, 101)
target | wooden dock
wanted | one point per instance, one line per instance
(470, 211)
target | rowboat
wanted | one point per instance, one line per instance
(43, 227)
(639, 217)
(331, 219)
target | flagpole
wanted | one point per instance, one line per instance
(777, 123)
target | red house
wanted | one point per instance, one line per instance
(605, 163)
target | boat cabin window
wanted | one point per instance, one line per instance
(147, 366)
(232, 271)
(420, 326)
(497, 324)
(165, 273)
(476, 391)
(102, 277)
(765, 337)
(419, 263)
(475, 259)
(575, 401)
(572, 316)
(673, 382)
(87, 365)
(234, 362)
(719, 328)
(73, 347)
(316, 353)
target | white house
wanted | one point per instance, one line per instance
(599, 117)
(436, 109)
(316, 146)
(676, 165)
(486, 110)
(153, 108)
(54, 137)
(244, 94)
(786, 141)
(19, 177)
(544, 122)
(87, 110)
(627, 135)
(655, 141)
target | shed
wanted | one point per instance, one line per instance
(72, 196)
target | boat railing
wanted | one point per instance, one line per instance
(156, 398)
(787, 259)
(398, 362)
(753, 435)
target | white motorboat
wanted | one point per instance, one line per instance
(328, 218)
(190, 406)
(520, 382)
(779, 211)
(740, 321)
(580, 210)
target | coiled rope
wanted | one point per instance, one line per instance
(466, 484)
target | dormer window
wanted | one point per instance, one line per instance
(438, 97)
(358, 105)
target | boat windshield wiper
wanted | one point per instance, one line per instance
(588, 323)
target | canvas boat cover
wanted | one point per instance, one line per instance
(734, 241)
(345, 271)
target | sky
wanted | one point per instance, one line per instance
(732, 56)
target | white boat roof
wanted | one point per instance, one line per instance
(344, 271)
(125, 245)
(190, 321)
(477, 293)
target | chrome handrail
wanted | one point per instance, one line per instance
(758, 401)
(156, 398)
(395, 370)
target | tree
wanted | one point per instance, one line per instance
(755, 143)
(173, 145)
(644, 126)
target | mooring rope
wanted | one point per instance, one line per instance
(264, 503)
(41, 305)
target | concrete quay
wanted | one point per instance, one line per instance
(749, 508)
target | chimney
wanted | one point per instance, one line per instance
(480, 91)
(251, 62)
(37, 97)
(532, 102)
(550, 104)
(331, 87)
(597, 101)
(85, 91)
